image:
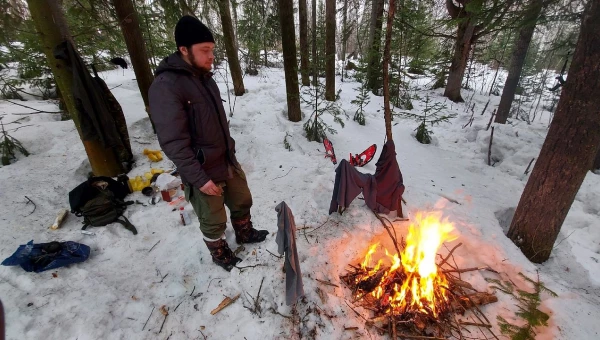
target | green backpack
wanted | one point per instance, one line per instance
(104, 209)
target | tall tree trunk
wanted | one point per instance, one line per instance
(185, 8)
(344, 36)
(304, 65)
(231, 48)
(52, 30)
(386, 66)
(264, 38)
(374, 46)
(462, 47)
(330, 50)
(130, 26)
(314, 43)
(290, 64)
(518, 59)
(568, 151)
(596, 164)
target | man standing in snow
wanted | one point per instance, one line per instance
(192, 129)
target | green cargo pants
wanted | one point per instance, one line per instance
(211, 209)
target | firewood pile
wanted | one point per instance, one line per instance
(415, 299)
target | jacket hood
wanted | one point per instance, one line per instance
(174, 63)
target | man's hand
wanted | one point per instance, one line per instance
(211, 189)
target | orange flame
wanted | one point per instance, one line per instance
(424, 286)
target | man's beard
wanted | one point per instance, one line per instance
(202, 69)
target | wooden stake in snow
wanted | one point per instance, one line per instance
(226, 302)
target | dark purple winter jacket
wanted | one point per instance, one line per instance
(191, 123)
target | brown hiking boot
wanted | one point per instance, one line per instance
(245, 233)
(221, 254)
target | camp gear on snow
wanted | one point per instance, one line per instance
(329, 151)
(148, 191)
(364, 157)
(245, 232)
(382, 191)
(62, 214)
(221, 254)
(390, 184)
(165, 181)
(211, 210)
(184, 216)
(119, 61)
(286, 242)
(100, 115)
(153, 155)
(190, 121)
(40, 257)
(349, 183)
(100, 201)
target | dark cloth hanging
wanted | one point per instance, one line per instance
(286, 242)
(390, 184)
(349, 183)
(97, 108)
(382, 192)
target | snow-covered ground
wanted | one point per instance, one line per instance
(118, 291)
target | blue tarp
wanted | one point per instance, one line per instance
(45, 256)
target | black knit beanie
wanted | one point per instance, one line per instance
(190, 31)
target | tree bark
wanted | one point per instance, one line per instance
(596, 164)
(290, 64)
(130, 26)
(231, 48)
(314, 43)
(304, 64)
(344, 36)
(462, 47)
(52, 30)
(386, 66)
(568, 151)
(330, 23)
(518, 60)
(374, 46)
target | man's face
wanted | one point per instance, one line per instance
(200, 56)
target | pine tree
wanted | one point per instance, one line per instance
(315, 127)
(361, 101)
(431, 116)
(528, 304)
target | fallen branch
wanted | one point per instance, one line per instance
(31, 108)
(34, 206)
(449, 254)
(460, 271)
(474, 324)
(149, 317)
(406, 336)
(528, 166)
(165, 311)
(284, 175)
(490, 147)
(327, 283)
(163, 278)
(381, 219)
(226, 302)
(279, 257)
(154, 246)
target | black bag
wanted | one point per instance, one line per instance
(100, 201)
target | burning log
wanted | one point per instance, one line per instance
(413, 297)
(471, 300)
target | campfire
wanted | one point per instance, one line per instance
(409, 292)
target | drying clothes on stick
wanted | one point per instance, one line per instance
(349, 183)
(286, 241)
(390, 185)
(382, 192)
